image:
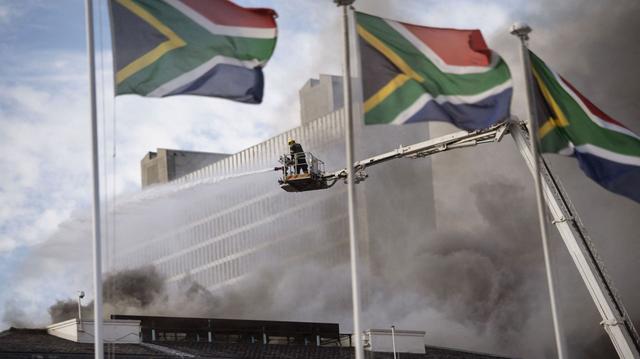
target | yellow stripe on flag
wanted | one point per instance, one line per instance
(385, 91)
(173, 42)
(546, 128)
(560, 119)
(392, 56)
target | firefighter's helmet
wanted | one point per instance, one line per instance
(291, 141)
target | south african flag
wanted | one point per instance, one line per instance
(414, 73)
(570, 124)
(198, 47)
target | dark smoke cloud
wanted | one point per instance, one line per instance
(144, 291)
(67, 309)
(134, 288)
(485, 285)
(592, 44)
(483, 277)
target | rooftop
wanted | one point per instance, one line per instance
(36, 343)
(259, 351)
(215, 338)
(33, 343)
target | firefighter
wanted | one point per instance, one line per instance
(298, 158)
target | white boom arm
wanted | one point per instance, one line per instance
(426, 148)
(615, 320)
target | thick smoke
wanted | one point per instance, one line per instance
(133, 289)
(141, 291)
(476, 283)
(470, 282)
(144, 291)
(63, 310)
(598, 55)
(461, 282)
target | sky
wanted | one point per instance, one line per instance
(44, 124)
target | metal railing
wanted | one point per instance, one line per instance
(304, 162)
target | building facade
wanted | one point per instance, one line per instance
(227, 220)
(319, 97)
(166, 165)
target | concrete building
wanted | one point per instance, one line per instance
(166, 165)
(236, 225)
(172, 337)
(319, 97)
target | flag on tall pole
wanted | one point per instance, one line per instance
(415, 73)
(197, 47)
(570, 124)
(522, 32)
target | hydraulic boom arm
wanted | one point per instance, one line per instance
(426, 148)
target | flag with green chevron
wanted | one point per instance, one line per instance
(198, 47)
(570, 124)
(414, 73)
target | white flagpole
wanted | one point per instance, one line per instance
(97, 245)
(353, 245)
(522, 32)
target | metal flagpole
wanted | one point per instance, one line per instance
(393, 340)
(353, 245)
(97, 245)
(522, 31)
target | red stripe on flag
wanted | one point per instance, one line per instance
(590, 106)
(224, 12)
(455, 47)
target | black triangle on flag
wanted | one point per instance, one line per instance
(134, 37)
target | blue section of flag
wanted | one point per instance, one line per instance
(468, 116)
(232, 82)
(620, 178)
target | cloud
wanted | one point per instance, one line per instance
(4, 14)
(11, 11)
(44, 148)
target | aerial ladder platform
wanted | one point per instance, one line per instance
(316, 178)
(615, 319)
